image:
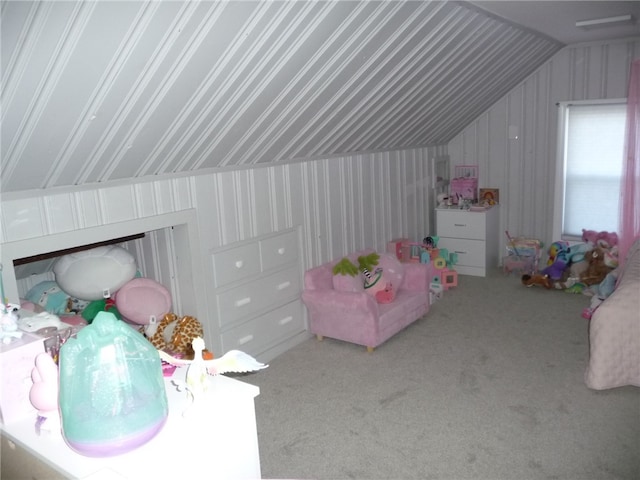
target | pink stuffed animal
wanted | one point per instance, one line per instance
(44, 393)
(602, 239)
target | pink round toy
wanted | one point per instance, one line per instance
(143, 301)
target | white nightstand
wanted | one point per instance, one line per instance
(472, 235)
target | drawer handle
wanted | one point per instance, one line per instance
(239, 264)
(281, 251)
(285, 320)
(459, 224)
(246, 339)
(461, 251)
(283, 285)
(242, 302)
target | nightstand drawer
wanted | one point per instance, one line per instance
(260, 333)
(235, 264)
(278, 251)
(470, 252)
(461, 224)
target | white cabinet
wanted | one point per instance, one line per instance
(257, 294)
(472, 236)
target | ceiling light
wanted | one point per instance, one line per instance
(605, 22)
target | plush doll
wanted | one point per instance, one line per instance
(537, 279)
(174, 333)
(142, 301)
(558, 260)
(597, 269)
(104, 305)
(602, 239)
(95, 273)
(556, 270)
(556, 250)
(589, 236)
(375, 282)
(49, 296)
(607, 240)
(8, 324)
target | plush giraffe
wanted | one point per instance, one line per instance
(180, 333)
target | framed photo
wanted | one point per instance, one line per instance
(489, 196)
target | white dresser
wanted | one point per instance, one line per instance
(473, 236)
(257, 295)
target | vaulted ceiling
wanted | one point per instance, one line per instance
(98, 91)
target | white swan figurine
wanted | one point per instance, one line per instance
(198, 369)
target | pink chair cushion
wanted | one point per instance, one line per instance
(347, 283)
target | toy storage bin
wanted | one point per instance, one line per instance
(518, 264)
(523, 255)
(465, 184)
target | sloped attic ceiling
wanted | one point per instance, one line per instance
(97, 91)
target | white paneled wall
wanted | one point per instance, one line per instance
(340, 204)
(523, 168)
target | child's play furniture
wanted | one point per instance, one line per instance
(614, 331)
(355, 316)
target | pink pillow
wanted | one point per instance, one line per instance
(347, 283)
(141, 299)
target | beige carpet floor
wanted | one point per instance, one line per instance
(488, 385)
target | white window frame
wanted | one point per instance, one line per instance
(558, 205)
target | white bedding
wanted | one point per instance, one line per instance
(614, 332)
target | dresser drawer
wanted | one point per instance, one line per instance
(238, 263)
(260, 333)
(252, 297)
(461, 224)
(278, 251)
(470, 252)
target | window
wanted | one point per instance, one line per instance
(591, 151)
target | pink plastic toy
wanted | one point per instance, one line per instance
(44, 393)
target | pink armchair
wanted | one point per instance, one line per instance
(355, 316)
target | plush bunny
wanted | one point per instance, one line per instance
(44, 393)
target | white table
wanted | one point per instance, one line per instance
(220, 442)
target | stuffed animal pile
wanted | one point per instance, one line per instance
(581, 268)
(105, 278)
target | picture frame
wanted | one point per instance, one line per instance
(489, 196)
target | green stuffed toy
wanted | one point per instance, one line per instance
(345, 267)
(103, 305)
(367, 262)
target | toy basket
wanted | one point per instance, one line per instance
(523, 255)
(465, 184)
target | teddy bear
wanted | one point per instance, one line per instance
(594, 273)
(597, 269)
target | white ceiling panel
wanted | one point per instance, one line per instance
(104, 90)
